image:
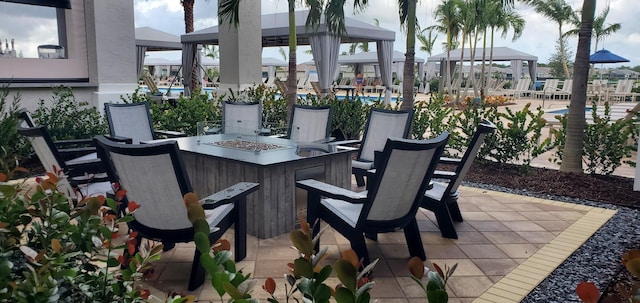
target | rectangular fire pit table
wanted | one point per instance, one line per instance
(214, 162)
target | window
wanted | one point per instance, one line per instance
(33, 29)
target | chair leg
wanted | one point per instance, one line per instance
(414, 241)
(359, 179)
(359, 246)
(454, 209)
(240, 232)
(197, 272)
(445, 223)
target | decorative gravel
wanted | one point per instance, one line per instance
(247, 145)
(597, 260)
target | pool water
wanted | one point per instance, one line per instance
(176, 91)
(564, 111)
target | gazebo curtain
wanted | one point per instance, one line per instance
(188, 61)
(141, 52)
(385, 56)
(326, 49)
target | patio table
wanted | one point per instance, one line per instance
(271, 210)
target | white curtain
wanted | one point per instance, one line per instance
(516, 65)
(326, 49)
(385, 59)
(533, 72)
(141, 52)
(188, 61)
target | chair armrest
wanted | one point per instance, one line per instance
(238, 191)
(82, 167)
(170, 133)
(330, 191)
(441, 174)
(453, 161)
(346, 142)
(119, 139)
(74, 142)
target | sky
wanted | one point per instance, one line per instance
(539, 37)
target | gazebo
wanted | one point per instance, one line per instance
(149, 39)
(325, 46)
(366, 58)
(499, 54)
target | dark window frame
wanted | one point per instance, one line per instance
(66, 4)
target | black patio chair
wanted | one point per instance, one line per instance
(86, 174)
(155, 177)
(391, 203)
(381, 124)
(133, 121)
(442, 198)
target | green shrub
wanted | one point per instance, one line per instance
(431, 118)
(13, 146)
(52, 252)
(518, 136)
(68, 118)
(606, 142)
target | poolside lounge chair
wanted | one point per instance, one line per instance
(403, 172)
(550, 86)
(282, 86)
(442, 197)
(623, 90)
(154, 176)
(565, 91)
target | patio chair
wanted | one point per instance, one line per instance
(85, 175)
(382, 124)
(442, 198)
(68, 149)
(550, 86)
(133, 121)
(241, 118)
(155, 177)
(391, 203)
(565, 91)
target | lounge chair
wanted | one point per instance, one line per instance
(565, 91)
(623, 90)
(402, 175)
(550, 87)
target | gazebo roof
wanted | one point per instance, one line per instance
(372, 58)
(156, 40)
(499, 54)
(275, 31)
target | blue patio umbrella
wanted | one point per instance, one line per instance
(605, 56)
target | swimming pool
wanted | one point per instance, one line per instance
(564, 111)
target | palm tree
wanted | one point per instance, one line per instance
(427, 42)
(574, 141)
(187, 6)
(561, 13)
(600, 29)
(503, 18)
(447, 23)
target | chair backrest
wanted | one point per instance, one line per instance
(130, 120)
(523, 84)
(567, 86)
(383, 124)
(48, 154)
(26, 120)
(154, 176)
(484, 128)
(241, 118)
(406, 167)
(309, 123)
(551, 85)
(624, 86)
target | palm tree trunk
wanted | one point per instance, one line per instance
(460, 73)
(572, 158)
(563, 55)
(409, 63)
(483, 85)
(292, 85)
(188, 27)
